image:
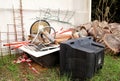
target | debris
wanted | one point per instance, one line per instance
(112, 42)
(41, 37)
(103, 32)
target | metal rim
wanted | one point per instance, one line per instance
(34, 26)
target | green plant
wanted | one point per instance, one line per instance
(104, 10)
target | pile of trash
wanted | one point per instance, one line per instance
(103, 32)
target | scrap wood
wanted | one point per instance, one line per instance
(68, 30)
(79, 31)
(104, 32)
(112, 42)
(63, 35)
(87, 26)
(99, 29)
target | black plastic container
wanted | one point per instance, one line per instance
(81, 58)
(49, 60)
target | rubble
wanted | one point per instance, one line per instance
(103, 32)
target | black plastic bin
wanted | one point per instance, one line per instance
(81, 58)
(49, 60)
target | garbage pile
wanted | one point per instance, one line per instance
(103, 32)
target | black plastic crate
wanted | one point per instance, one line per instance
(81, 58)
(49, 60)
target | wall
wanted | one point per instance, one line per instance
(31, 10)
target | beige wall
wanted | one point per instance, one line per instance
(31, 8)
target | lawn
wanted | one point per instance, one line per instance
(110, 70)
(21, 72)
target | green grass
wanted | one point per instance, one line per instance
(9, 71)
(21, 72)
(110, 70)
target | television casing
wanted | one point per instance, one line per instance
(81, 58)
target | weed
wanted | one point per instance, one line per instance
(104, 10)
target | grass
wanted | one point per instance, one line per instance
(9, 71)
(110, 70)
(21, 72)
